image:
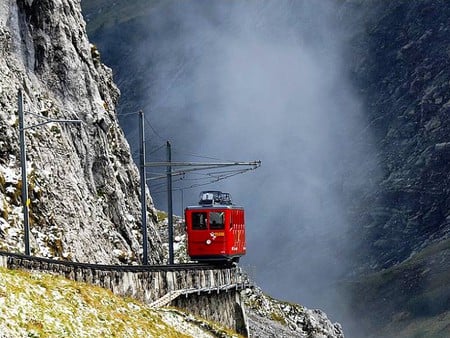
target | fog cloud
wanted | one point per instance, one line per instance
(266, 80)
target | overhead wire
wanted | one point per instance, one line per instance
(127, 114)
(132, 140)
(156, 149)
(133, 135)
(210, 181)
(200, 156)
(210, 177)
(153, 129)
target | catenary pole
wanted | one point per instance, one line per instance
(23, 162)
(169, 201)
(143, 194)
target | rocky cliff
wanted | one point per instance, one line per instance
(399, 60)
(84, 186)
(400, 63)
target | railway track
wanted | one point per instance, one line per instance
(117, 267)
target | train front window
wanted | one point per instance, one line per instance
(199, 220)
(216, 220)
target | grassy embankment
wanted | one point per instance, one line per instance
(413, 296)
(42, 305)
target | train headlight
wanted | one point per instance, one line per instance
(208, 242)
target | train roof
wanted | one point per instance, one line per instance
(211, 197)
(216, 206)
(214, 199)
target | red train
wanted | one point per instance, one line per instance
(215, 229)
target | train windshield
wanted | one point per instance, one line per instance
(216, 220)
(199, 220)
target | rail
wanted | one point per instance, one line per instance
(113, 267)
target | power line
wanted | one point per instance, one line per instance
(127, 114)
(153, 129)
(157, 148)
(199, 156)
(216, 171)
(210, 179)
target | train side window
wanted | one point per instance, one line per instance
(216, 220)
(199, 220)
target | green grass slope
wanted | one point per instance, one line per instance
(413, 297)
(42, 305)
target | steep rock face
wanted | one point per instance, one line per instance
(401, 66)
(400, 62)
(84, 186)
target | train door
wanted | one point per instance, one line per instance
(237, 232)
(217, 233)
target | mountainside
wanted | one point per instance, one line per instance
(400, 62)
(84, 186)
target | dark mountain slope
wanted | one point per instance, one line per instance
(400, 62)
(402, 65)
